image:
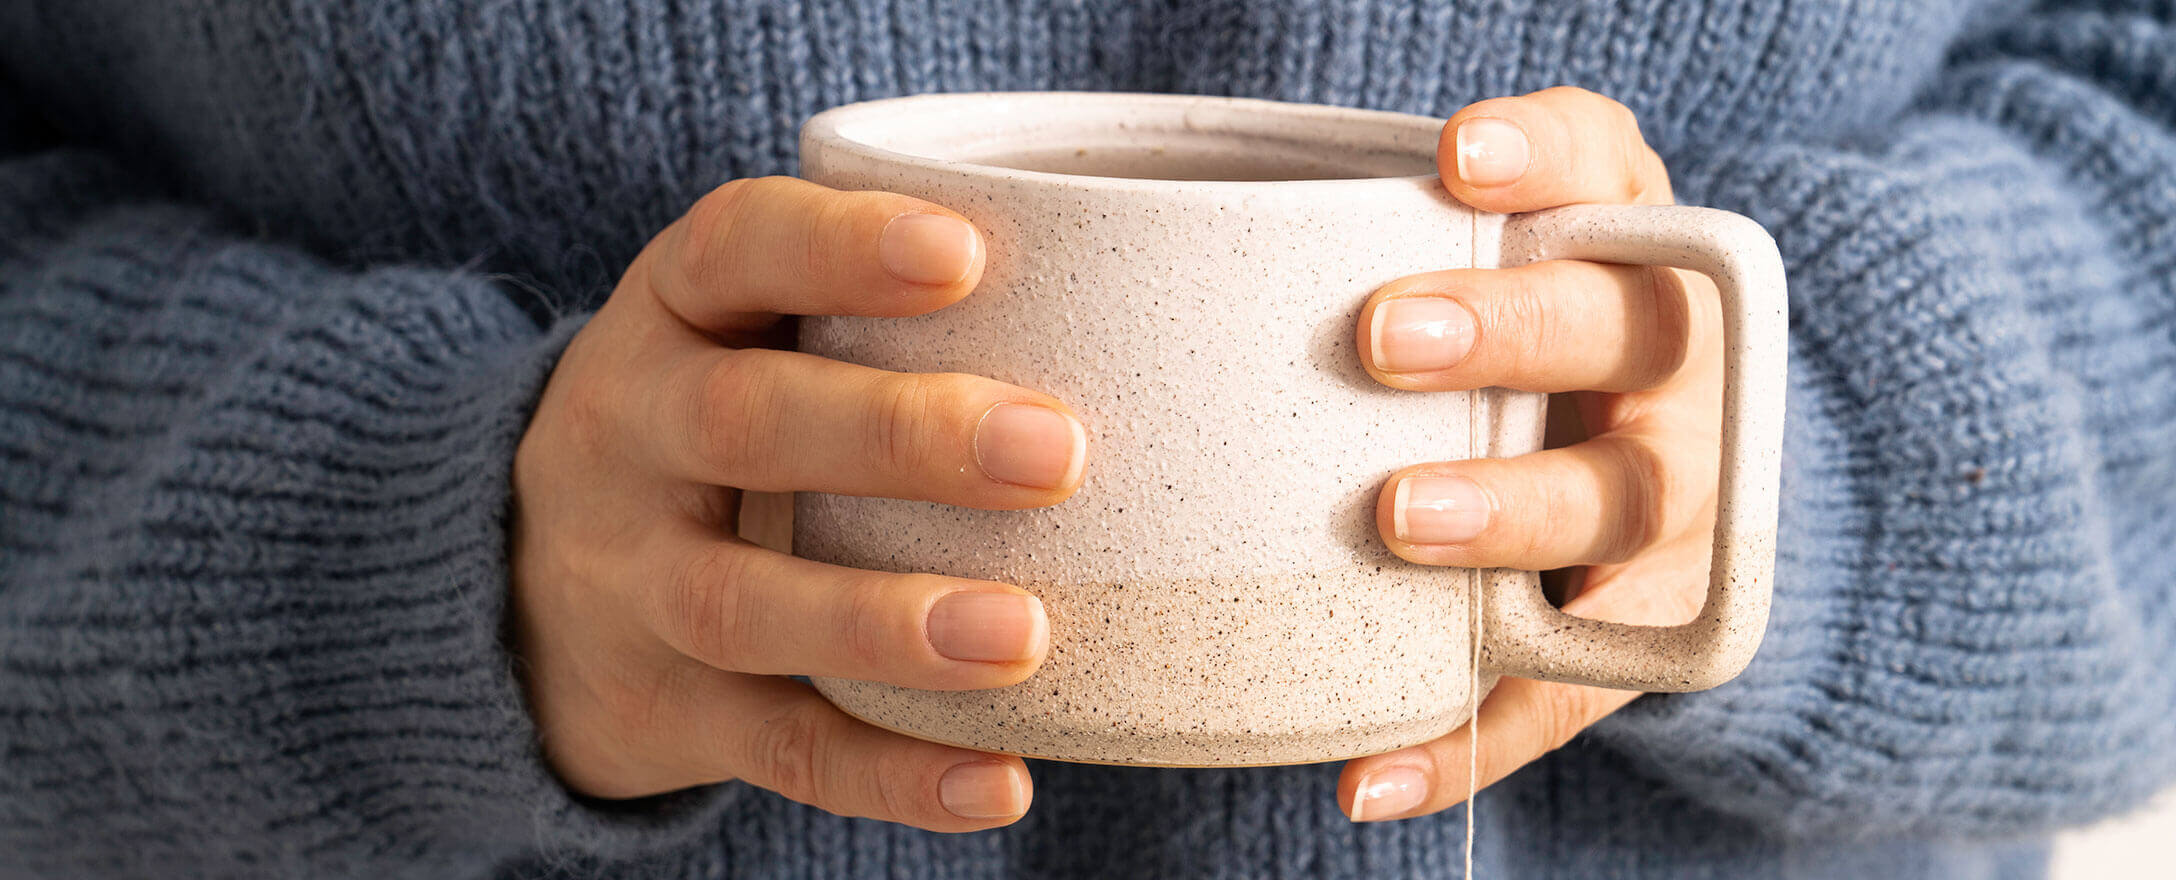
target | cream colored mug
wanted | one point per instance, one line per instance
(1185, 272)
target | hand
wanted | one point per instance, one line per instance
(653, 639)
(1640, 349)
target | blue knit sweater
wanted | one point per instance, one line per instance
(279, 281)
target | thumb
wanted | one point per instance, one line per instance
(1560, 146)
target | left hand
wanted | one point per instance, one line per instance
(1637, 349)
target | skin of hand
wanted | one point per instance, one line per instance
(1631, 504)
(653, 640)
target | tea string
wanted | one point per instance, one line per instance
(1473, 724)
(1473, 660)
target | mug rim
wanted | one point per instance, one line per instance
(834, 129)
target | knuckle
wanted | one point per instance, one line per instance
(1661, 352)
(590, 413)
(869, 631)
(709, 604)
(904, 419)
(739, 412)
(1544, 502)
(1615, 140)
(712, 219)
(829, 222)
(900, 792)
(1524, 327)
(788, 754)
(1650, 480)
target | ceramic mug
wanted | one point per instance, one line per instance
(1186, 272)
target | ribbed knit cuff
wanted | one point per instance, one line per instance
(401, 419)
(530, 809)
(256, 578)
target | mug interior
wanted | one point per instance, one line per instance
(1145, 137)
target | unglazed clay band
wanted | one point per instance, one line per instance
(1529, 637)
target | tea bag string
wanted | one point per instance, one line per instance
(1473, 660)
(1473, 724)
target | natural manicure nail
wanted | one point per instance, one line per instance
(1419, 333)
(989, 627)
(1439, 510)
(1029, 445)
(1388, 793)
(927, 248)
(1491, 152)
(982, 790)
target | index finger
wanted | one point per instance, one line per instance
(756, 248)
(1555, 147)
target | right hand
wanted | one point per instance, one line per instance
(654, 640)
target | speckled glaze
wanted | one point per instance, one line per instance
(1186, 272)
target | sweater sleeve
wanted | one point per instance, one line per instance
(1975, 611)
(252, 526)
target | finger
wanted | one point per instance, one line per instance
(706, 726)
(1561, 325)
(1522, 719)
(1597, 502)
(774, 420)
(1559, 146)
(757, 247)
(739, 607)
(797, 744)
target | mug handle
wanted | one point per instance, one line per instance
(1526, 636)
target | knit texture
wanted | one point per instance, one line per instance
(279, 280)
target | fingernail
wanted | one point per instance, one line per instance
(1416, 333)
(1029, 445)
(1439, 510)
(1388, 793)
(987, 626)
(982, 790)
(927, 248)
(1491, 151)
